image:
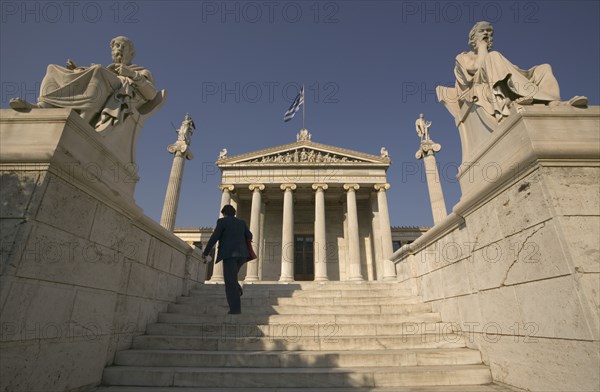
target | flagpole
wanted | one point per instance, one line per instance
(303, 106)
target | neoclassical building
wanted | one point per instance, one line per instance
(317, 212)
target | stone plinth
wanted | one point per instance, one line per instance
(83, 270)
(516, 265)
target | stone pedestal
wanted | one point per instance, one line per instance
(515, 265)
(82, 269)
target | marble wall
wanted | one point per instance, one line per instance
(516, 266)
(83, 270)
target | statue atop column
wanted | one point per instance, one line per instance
(181, 151)
(426, 152)
(186, 129)
(422, 127)
(112, 99)
(428, 146)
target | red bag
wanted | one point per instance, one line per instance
(251, 254)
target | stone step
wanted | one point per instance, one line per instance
(273, 359)
(310, 285)
(256, 319)
(403, 309)
(298, 377)
(295, 341)
(442, 388)
(219, 299)
(302, 329)
(332, 293)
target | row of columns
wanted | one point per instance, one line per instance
(320, 244)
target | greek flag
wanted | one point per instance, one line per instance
(291, 112)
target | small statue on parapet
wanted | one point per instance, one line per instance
(383, 153)
(223, 154)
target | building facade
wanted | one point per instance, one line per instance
(317, 212)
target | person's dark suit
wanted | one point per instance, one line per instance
(231, 233)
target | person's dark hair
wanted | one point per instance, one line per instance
(228, 210)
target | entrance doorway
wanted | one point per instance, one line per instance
(304, 263)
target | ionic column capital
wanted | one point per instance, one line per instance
(180, 148)
(351, 187)
(226, 187)
(285, 187)
(427, 148)
(254, 187)
(318, 186)
(382, 187)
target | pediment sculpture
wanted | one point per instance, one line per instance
(114, 99)
(304, 155)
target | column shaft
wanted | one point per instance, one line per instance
(320, 245)
(287, 234)
(252, 269)
(389, 268)
(354, 272)
(217, 275)
(436, 196)
(169, 212)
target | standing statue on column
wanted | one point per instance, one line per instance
(422, 127)
(181, 151)
(427, 150)
(186, 129)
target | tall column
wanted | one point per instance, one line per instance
(287, 234)
(320, 245)
(252, 269)
(426, 152)
(181, 149)
(389, 268)
(226, 190)
(436, 196)
(354, 273)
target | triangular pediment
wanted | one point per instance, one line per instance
(304, 153)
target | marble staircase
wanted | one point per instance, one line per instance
(302, 336)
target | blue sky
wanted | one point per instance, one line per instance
(369, 67)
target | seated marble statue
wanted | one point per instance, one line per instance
(487, 79)
(104, 96)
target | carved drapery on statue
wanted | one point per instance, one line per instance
(112, 99)
(489, 88)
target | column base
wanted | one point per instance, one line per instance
(323, 279)
(251, 279)
(218, 280)
(286, 280)
(356, 279)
